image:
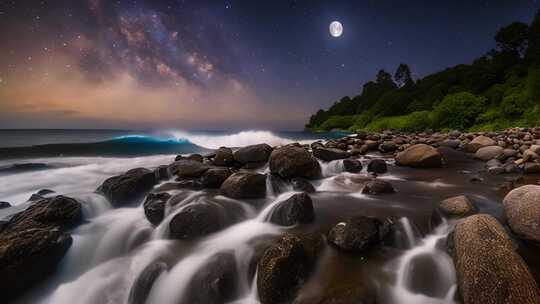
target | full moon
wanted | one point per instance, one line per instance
(336, 29)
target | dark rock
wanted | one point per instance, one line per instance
(352, 165)
(388, 146)
(531, 168)
(214, 177)
(245, 185)
(143, 284)
(451, 143)
(40, 194)
(4, 205)
(123, 189)
(420, 156)
(457, 206)
(378, 186)
(25, 167)
(479, 142)
(224, 157)
(511, 168)
(198, 220)
(296, 209)
(377, 166)
(522, 209)
(329, 154)
(154, 206)
(300, 184)
(488, 268)
(291, 161)
(278, 185)
(253, 154)
(359, 233)
(195, 157)
(187, 168)
(161, 173)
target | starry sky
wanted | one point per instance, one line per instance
(221, 64)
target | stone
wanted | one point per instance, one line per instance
(214, 177)
(187, 168)
(359, 233)
(224, 157)
(245, 185)
(377, 166)
(487, 153)
(143, 284)
(378, 186)
(154, 206)
(294, 210)
(300, 184)
(479, 142)
(522, 209)
(198, 220)
(420, 156)
(253, 154)
(458, 206)
(125, 188)
(352, 165)
(290, 161)
(329, 154)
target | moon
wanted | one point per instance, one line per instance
(336, 29)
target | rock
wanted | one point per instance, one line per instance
(509, 153)
(154, 206)
(161, 173)
(388, 146)
(214, 177)
(296, 209)
(300, 184)
(187, 168)
(457, 206)
(198, 220)
(4, 205)
(43, 193)
(451, 143)
(511, 168)
(378, 186)
(529, 156)
(224, 157)
(535, 149)
(420, 156)
(195, 157)
(352, 165)
(490, 152)
(531, 168)
(253, 154)
(290, 161)
(245, 185)
(329, 154)
(479, 142)
(359, 233)
(377, 166)
(122, 189)
(371, 145)
(143, 284)
(522, 208)
(283, 269)
(488, 268)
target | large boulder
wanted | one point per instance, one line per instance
(490, 152)
(352, 165)
(377, 165)
(300, 184)
(329, 154)
(224, 157)
(479, 142)
(284, 267)
(488, 268)
(292, 161)
(187, 168)
(245, 185)
(296, 209)
(154, 206)
(457, 206)
(198, 220)
(522, 208)
(378, 186)
(253, 154)
(51, 213)
(420, 156)
(359, 233)
(214, 177)
(122, 189)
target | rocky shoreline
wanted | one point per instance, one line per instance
(489, 269)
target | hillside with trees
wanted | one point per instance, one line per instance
(498, 90)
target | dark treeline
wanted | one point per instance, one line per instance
(498, 90)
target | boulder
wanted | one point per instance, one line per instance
(458, 206)
(195, 157)
(154, 206)
(530, 168)
(245, 185)
(359, 233)
(378, 186)
(55, 212)
(487, 153)
(187, 168)
(450, 143)
(329, 154)
(143, 284)
(224, 157)
(198, 220)
(300, 184)
(488, 268)
(122, 189)
(377, 166)
(296, 209)
(522, 208)
(253, 154)
(291, 161)
(214, 177)
(284, 267)
(352, 165)
(420, 156)
(388, 146)
(479, 142)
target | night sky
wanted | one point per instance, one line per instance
(221, 64)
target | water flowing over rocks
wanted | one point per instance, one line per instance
(291, 161)
(296, 209)
(522, 208)
(352, 165)
(359, 233)
(143, 284)
(329, 154)
(123, 189)
(377, 166)
(154, 206)
(378, 186)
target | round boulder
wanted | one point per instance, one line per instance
(479, 142)
(420, 156)
(245, 185)
(352, 165)
(224, 157)
(292, 161)
(296, 209)
(377, 166)
(458, 206)
(214, 177)
(359, 233)
(154, 206)
(129, 186)
(198, 220)
(522, 208)
(378, 186)
(329, 154)
(253, 154)
(187, 168)
(487, 153)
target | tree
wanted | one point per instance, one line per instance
(513, 38)
(533, 49)
(458, 111)
(403, 76)
(384, 79)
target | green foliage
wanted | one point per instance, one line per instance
(533, 84)
(458, 111)
(514, 105)
(513, 37)
(403, 76)
(338, 122)
(416, 121)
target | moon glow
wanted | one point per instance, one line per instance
(336, 29)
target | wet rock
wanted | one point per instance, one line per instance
(245, 185)
(143, 284)
(479, 142)
(161, 173)
(43, 193)
(214, 177)
(296, 209)
(196, 157)
(511, 168)
(224, 157)
(490, 152)
(352, 165)
(253, 154)
(198, 220)
(187, 168)
(154, 206)
(378, 186)
(359, 233)
(450, 143)
(329, 154)
(488, 268)
(388, 146)
(420, 156)
(122, 189)
(458, 206)
(300, 184)
(4, 205)
(377, 166)
(284, 267)
(290, 161)
(530, 168)
(522, 208)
